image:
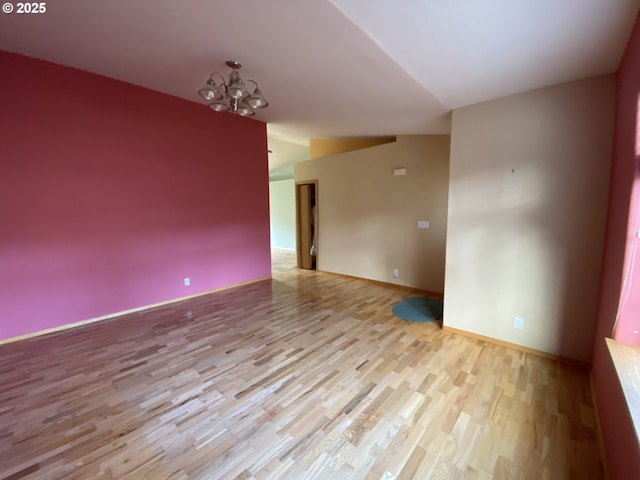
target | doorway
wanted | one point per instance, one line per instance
(307, 232)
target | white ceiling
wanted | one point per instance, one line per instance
(338, 67)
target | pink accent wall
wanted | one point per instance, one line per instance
(111, 194)
(621, 249)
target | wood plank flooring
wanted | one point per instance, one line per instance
(282, 260)
(307, 376)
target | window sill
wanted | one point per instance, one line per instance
(626, 360)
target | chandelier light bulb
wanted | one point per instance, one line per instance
(210, 91)
(256, 100)
(244, 109)
(219, 106)
(236, 89)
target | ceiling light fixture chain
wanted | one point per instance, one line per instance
(231, 95)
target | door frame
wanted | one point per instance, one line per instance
(299, 224)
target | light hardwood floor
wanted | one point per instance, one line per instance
(282, 260)
(308, 375)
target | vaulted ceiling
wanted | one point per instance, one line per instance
(336, 67)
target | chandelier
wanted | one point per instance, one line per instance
(232, 95)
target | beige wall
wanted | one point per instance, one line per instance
(368, 217)
(527, 207)
(322, 147)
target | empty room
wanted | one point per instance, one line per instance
(320, 239)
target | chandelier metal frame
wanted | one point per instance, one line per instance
(231, 95)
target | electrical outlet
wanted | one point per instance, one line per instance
(187, 281)
(518, 323)
(396, 274)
